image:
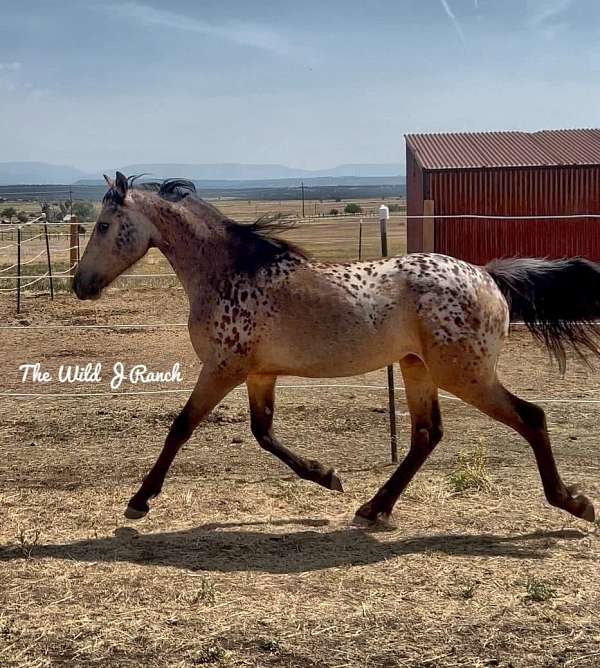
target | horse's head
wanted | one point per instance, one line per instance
(122, 235)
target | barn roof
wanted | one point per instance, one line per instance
(463, 150)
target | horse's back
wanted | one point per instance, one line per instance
(344, 319)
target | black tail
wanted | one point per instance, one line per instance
(558, 300)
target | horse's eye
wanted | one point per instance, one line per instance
(103, 227)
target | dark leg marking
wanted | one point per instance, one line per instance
(426, 433)
(261, 392)
(529, 421)
(210, 389)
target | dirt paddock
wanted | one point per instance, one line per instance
(239, 563)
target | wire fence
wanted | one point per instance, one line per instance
(72, 230)
(53, 233)
(280, 386)
(11, 274)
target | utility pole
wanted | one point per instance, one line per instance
(302, 182)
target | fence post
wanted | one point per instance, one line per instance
(428, 226)
(19, 269)
(73, 244)
(48, 258)
(360, 224)
(384, 215)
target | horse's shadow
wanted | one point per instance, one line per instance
(233, 547)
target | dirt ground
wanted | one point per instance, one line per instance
(241, 564)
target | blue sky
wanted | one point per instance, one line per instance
(98, 84)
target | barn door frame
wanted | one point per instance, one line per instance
(428, 228)
(420, 230)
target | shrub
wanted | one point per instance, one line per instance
(84, 210)
(352, 208)
(538, 591)
(9, 212)
(333, 212)
(470, 473)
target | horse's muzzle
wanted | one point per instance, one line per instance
(87, 287)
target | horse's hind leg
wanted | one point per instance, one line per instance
(528, 420)
(261, 392)
(426, 433)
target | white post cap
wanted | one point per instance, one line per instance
(384, 212)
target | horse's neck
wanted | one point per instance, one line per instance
(193, 242)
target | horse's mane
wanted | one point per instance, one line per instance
(255, 245)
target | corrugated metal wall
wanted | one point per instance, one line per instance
(508, 191)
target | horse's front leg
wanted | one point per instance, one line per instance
(261, 393)
(212, 386)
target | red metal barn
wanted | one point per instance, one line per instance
(543, 173)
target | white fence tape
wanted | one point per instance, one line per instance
(281, 386)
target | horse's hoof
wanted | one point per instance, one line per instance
(333, 481)
(585, 508)
(132, 513)
(589, 513)
(367, 516)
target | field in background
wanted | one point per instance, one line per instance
(332, 238)
(246, 210)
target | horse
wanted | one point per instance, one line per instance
(260, 308)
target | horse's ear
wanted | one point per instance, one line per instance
(109, 181)
(121, 184)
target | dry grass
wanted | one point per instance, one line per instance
(470, 473)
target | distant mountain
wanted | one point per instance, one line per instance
(29, 173)
(362, 170)
(225, 184)
(219, 171)
(252, 172)
(208, 175)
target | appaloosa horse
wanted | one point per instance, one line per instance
(260, 309)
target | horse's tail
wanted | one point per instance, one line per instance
(558, 300)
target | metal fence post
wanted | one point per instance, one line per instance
(384, 215)
(360, 226)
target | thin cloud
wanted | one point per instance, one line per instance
(10, 67)
(245, 34)
(545, 11)
(455, 23)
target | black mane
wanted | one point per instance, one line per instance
(175, 190)
(256, 244)
(172, 190)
